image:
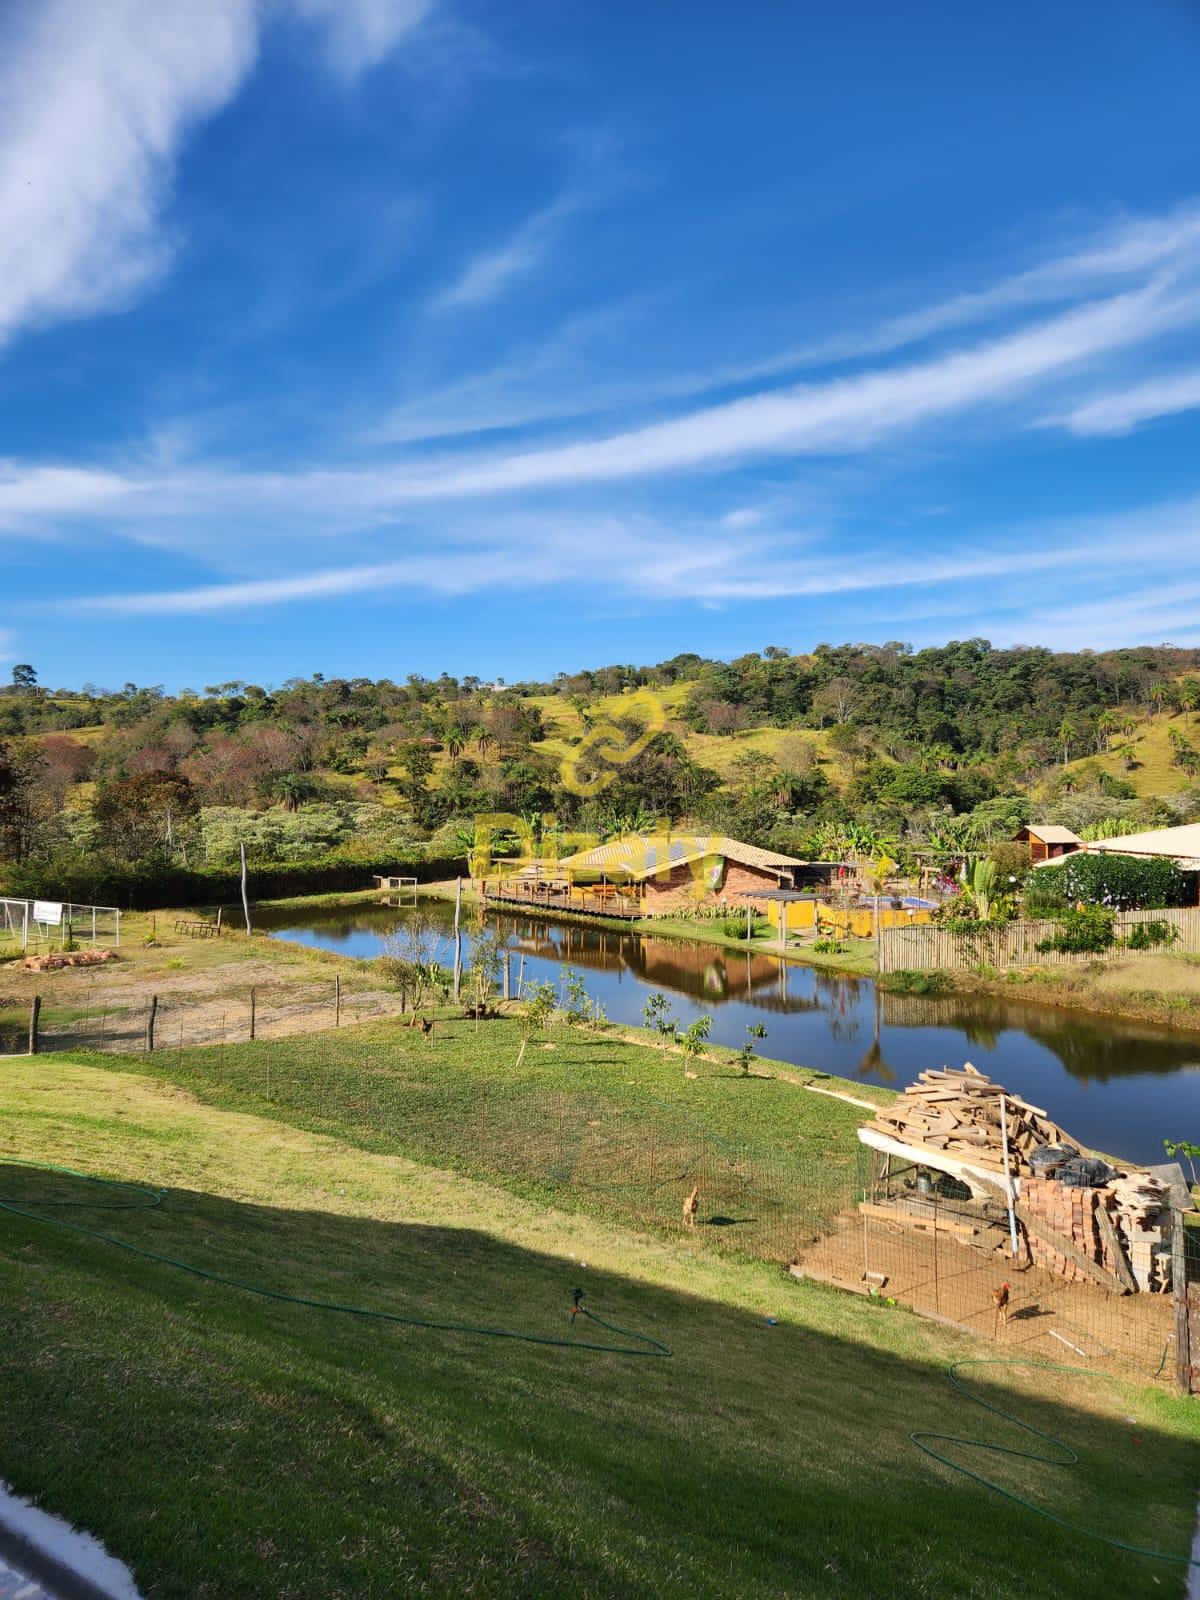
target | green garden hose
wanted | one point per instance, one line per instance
(142, 1198)
(1068, 1457)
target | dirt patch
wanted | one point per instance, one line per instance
(206, 992)
(955, 1281)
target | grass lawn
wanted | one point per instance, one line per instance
(588, 1121)
(228, 1445)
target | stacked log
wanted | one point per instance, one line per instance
(958, 1113)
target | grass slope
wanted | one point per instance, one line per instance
(230, 1445)
(1153, 773)
(584, 1120)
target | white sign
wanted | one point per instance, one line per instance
(48, 911)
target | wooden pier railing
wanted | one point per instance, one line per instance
(555, 894)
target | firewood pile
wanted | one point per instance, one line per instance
(958, 1113)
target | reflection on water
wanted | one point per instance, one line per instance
(1115, 1085)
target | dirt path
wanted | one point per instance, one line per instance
(204, 990)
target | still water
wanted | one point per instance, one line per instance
(1115, 1085)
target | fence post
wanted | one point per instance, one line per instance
(337, 999)
(252, 1011)
(150, 1022)
(35, 1011)
(1183, 1353)
(457, 939)
(504, 971)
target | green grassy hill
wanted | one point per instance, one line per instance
(226, 1443)
(1151, 770)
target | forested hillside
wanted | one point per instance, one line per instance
(850, 747)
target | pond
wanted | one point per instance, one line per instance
(1115, 1085)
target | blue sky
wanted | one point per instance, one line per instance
(379, 336)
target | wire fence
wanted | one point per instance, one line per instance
(103, 1016)
(635, 1163)
(918, 1238)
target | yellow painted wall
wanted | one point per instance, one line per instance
(856, 923)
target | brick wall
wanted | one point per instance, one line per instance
(684, 888)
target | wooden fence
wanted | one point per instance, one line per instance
(1015, 944)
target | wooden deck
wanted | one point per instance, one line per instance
(555, 894)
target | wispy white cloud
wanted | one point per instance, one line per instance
(844, 415)
(361, 33)
(555, 381)
(1123, 410)
(699, 562)
(1131, 617)
(95, 101)
(33, 496)
(1130, 247)
(492, 272)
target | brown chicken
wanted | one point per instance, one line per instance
(691, 1205)
(1000, 1302)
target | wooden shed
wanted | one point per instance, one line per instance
(1047, 841)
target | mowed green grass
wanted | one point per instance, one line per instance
(576, 1117)
(230, 1445)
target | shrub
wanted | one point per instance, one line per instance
(1086, 932)
(658, 1016)
(907, 981)
(1150, 935)
(735, 927)
(691, 1041)
(1126, 883)
(829, 947)
(539, 1009)
(754, 1030)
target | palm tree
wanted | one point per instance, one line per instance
(292, 788)
(1189, 697)
(455, 738)
(1066, 732)
(1106, 725)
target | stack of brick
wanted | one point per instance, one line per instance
(1135, 1205)
(60, 958)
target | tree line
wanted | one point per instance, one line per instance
(877, 746)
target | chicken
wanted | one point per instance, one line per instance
(1000, 1302)
(691, 1205)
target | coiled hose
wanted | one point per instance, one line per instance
(1067, 1457)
